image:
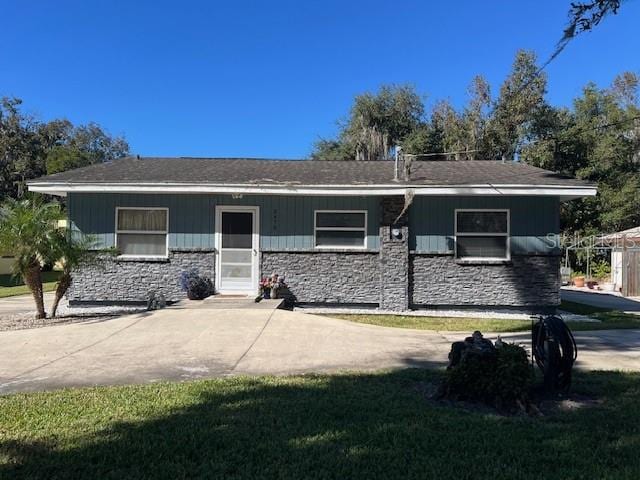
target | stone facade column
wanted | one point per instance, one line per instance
(394, 256)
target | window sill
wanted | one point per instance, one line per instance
(141, 258)
(340, 249)
(483, 261)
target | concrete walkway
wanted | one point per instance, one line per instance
(181, 344)
(22, 304)
(609, 301)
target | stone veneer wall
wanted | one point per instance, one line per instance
(528, 281)
(117, 280)
(394, 256)
(326, 277)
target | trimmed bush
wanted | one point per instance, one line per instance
(198, 287)
(501, 377)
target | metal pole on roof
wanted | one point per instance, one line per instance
(396, 175)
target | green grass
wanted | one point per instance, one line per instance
(443, 324)
(610, 320)
(368, 426)
(11, 286)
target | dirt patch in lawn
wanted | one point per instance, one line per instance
(540, 404)
(568, 403)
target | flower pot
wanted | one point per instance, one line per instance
(608, 287)
(578, 282)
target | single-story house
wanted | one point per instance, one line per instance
(625, 260)
(357, 233)
(6, 264)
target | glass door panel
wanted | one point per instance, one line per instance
(237, 254)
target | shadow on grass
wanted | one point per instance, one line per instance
(325, 426)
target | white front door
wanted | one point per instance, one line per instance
(237, 241)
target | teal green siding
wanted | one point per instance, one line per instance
(286, 222)
(431, 222)
(534, 222)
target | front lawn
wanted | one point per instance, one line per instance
(327, 426)
(444, 324)
(609, 320)
(11, 286)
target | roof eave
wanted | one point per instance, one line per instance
(565, 192)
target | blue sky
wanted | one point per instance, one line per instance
(268, 78)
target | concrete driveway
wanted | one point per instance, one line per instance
(185, 343)
(22, 304)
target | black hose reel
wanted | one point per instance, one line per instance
(554, 350)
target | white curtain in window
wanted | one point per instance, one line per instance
(142, 244)
(142, 220)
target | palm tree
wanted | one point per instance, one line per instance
(71, 252)
(29, 230)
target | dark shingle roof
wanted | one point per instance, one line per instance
(244, 171)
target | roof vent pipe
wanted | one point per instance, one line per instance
(396, 170)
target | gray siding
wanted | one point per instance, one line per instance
(117, 281)
(527, 281)
(326, 277)
(431, 222)
(286, 222)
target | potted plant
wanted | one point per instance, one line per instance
(602, 271)
(269, 286)
(265, 287)
(578, 279)
(277, 283)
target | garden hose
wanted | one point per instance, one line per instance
(554, 350)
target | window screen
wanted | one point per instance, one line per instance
(482, 234)
(237, 229)
(340, 229)
(142, 232)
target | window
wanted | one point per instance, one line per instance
(142, 232)
(340, 229)
(482, 234)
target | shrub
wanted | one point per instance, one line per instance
(155, 301)
(198, 287)
(513, 375)
(501, 378)
(602, 270)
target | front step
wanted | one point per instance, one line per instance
(220, 302)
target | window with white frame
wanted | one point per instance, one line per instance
(142, 232)
(482, 234)
(340, 229)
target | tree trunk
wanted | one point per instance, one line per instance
(33, 279)
(61, 289)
